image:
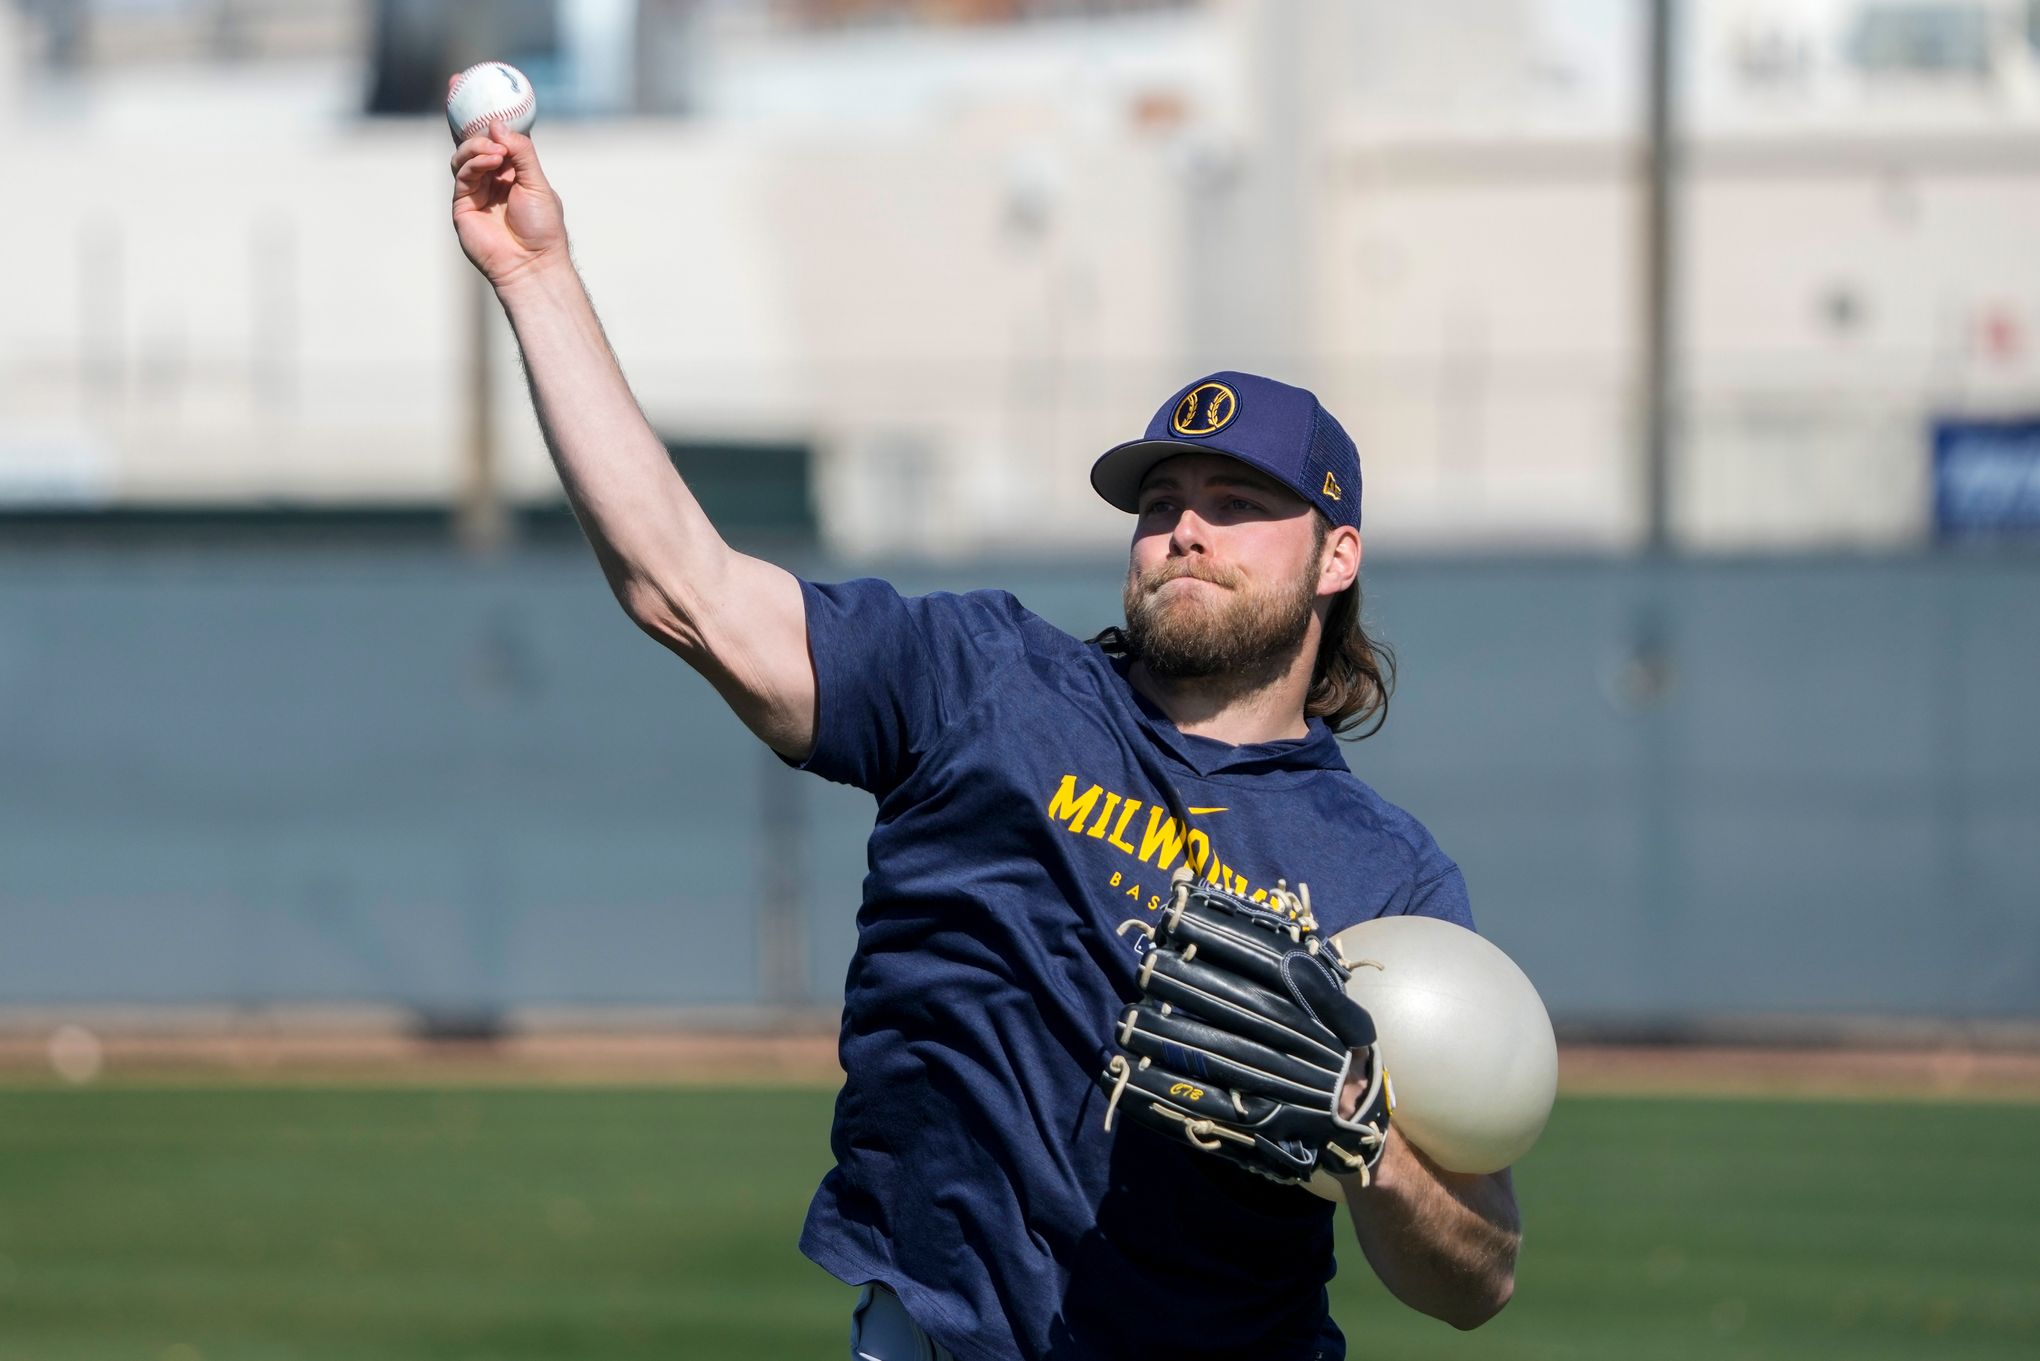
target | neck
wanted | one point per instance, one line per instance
(1241, 710)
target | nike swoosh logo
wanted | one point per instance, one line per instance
(1200, 812)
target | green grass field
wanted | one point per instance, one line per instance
(180, 1223)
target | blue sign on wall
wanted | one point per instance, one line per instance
(1986, 477)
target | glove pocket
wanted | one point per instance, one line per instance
(1241, 1007)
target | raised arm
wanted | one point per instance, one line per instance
(738, 621)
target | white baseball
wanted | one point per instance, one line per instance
(489, 92)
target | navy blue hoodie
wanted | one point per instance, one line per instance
(1029, 801)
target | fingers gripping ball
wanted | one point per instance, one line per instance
(1465, 1033)
(1244, 1038)
(489, 92)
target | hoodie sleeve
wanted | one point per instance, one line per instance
(1443, 895)
(1436, 887)
(891, 671)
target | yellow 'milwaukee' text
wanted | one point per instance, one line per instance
(1160, 840)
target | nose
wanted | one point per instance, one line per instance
(1189, 534)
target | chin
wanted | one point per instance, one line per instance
(1185, 610)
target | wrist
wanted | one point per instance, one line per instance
(546, 277)
(1385, 1175)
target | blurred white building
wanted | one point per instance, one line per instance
(954, 250)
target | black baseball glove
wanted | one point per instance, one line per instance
(1244, 1038)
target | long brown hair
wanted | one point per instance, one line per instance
(1351, 679)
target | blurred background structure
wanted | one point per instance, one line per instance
(1700, 419)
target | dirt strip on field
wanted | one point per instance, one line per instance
(774, 1057)
(807, 1056)
(1755, 1070)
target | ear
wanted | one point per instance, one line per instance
(1340, 565)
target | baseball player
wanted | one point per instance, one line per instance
(1035, 793)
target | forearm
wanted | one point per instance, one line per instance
(1444, 1243)
(655, 543)
(739, 621)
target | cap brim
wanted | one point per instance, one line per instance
(1118, 473)
(1120, 470)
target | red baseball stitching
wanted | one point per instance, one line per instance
(481, 124)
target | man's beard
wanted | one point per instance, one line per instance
(1247, 636)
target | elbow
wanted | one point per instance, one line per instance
(1477, 1307)
(658, 615)
(1465, 1300)
(648, 607)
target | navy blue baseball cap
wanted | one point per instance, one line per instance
(1281, 430)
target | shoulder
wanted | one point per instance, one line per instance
(990, 611)
(993, 623)
(1430, 881)
(1363, 807)
(996, 623)
(893, 673)
(956, 641)
(985, 612)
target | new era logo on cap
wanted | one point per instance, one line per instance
(1284, 431)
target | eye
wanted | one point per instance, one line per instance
(1160, 505)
